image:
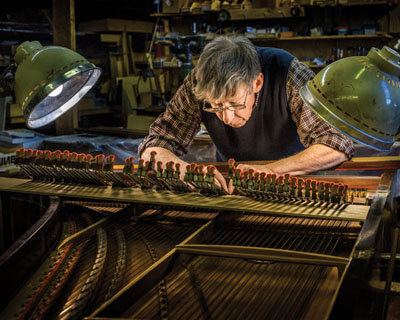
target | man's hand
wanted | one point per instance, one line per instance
(257, 168)
(220, 181)
(164, 155)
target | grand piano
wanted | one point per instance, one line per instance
(87, 239)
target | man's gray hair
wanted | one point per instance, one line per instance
(225, 65)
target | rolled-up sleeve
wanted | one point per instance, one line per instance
(310, 127)
(175, 128)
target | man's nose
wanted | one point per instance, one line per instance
(227, 116)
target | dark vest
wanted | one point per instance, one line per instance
(270, 133)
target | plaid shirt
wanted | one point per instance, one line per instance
(176, 127)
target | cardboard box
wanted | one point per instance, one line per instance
(172, 6)
(286, 34)
(7, 161)
(263, 3)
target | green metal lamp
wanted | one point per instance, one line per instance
(360, 97)
(50, 80)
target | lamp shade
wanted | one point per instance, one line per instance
(50, 80)
(360, 97)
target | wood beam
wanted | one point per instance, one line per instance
(64, 35)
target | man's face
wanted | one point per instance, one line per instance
(236, 110)
(237, 118)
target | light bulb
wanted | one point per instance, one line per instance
(56, 91)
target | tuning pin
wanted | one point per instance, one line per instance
(145, 167)
(300, 187)
(165, 175)
(153, 156)
(327, 187)
(262, 181)
(83, 164)
(53, 162)
(39, 158)
(307, 188)
(81, 156)
(340, 193)
(150, 165)
(159, 172)
(141, 171)
(286, 183)
(314, 190)
(55, 159)
(365, 193)
(170, 169)
(321, 195)
(256, 181)
(207, 175)
(210, 174)
(65, 158)
(99, 162)
(20, 154)
(88, 160)
(129, 165)
(56, 155)
(245, 179)
(273, 183)
(46, 164)
(21, 160)
(268, 186)
(33, 157)
(345, 190)
(109, 165)
(33, 154)
(47, 156)
(95, 163)
(186, 176)
(164, 172)
(29, 152)
(196, 177)
(293, 184)
(211, 180)
(177, 172)
(73, 159)
(192, 171)
(47, 161)
(200, 172)
(279, 182)
(231, 167)
(80, 160)
(250, 179)
(238, 177)
(334, 192)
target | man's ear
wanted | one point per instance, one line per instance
(258, 83)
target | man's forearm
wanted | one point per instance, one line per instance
(315, 158)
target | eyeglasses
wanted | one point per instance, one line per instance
(232, 107)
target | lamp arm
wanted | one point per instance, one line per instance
(7, 80)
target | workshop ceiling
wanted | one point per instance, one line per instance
(35, 11)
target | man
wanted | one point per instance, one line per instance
(249, 101)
